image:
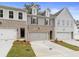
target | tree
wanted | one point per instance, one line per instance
(49, 9)
(28, 6)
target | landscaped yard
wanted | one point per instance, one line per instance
(21, 49)
(67, 45)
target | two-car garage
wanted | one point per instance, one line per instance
(8, 34)
(38, 36)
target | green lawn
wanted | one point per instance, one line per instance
(21, 49)
(68, 45)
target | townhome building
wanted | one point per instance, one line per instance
(32, 25)
(12, 23)
(47, 26)
(64, 25)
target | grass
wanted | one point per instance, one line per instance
(21, 49)
(67, 45)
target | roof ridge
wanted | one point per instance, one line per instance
(56, 14)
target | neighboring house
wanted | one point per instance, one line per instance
(17, 23)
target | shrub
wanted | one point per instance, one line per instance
(24, 40)
(56, 40)
(28, 42)
(17, 41)
(61, 41)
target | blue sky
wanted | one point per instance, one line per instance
(54, 6)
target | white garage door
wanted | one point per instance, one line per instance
(38, 36)
(8, 33)
(64, 35)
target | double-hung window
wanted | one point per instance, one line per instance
(34, 20)
(1, 13)
(46, 22)
(20, 15)
(10, 14)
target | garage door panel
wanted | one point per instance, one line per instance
(38, 36)
(65, 36)
(8, 33)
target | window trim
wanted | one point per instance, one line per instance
(11, 15)
(67, 22)
(46, 22)
(1, 14)
(58, 22)
(34, 21)
(63, 22)
(20, 15)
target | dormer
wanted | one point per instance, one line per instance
(34, 10)
(47, 12)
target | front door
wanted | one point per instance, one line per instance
(22, 32)
(50, 35)
(71, 35)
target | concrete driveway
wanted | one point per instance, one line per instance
(42, 49)
(5, 46)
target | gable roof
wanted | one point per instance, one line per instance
(59, 12)
(56, 14)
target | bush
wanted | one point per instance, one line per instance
(61, 41)
(17, 41)
(56, 41)
(24, 40)
(28, 42)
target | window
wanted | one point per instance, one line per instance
(34, 21)
(30, 11)
(10, 14)
(62, 22)
(46, 22)
(77, 27)
(20, 15)
(0, 22)
(37, 20)
(47, 13)
(34, 11)
(1, 13)
(53, 22)
(67, 23)
(71, 23)
(58, 23)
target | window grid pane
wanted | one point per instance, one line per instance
(1, 13)
(20, 16)
(10, 14)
